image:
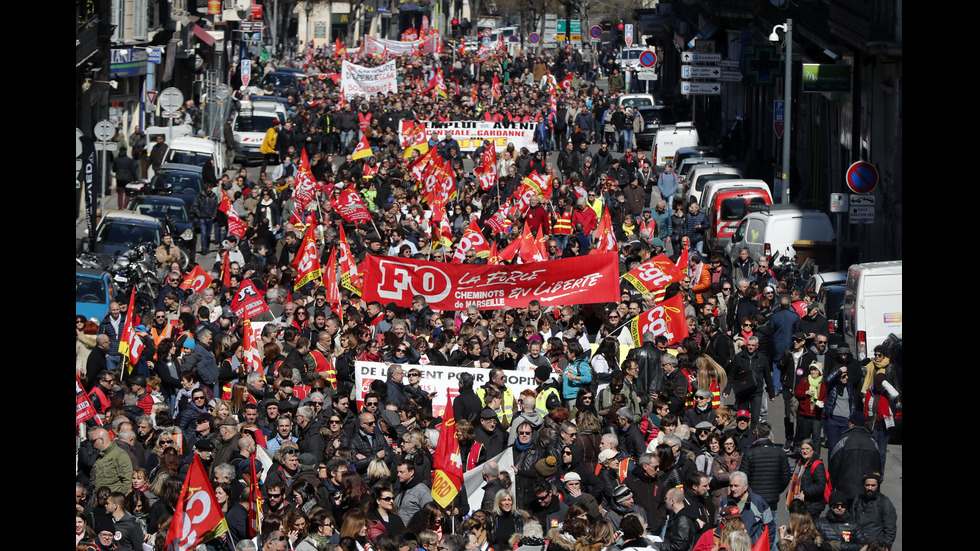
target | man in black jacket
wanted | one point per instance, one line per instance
(467, 405)
(126, 172)
(767, 466)
(648, 358)
(129, 535)
(855, 455)
(683, 525)
(794, 366)
(747, 374)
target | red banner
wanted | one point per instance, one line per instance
(351, 207)
(198, 517)
(197, 280)
(83, 406)
(667, 319)
(577, 280)
(654, 274)
(248, 302)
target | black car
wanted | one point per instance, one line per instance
(170, 210)
(653, 117)
(177, 180)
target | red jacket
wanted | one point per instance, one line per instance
(537, 217)
(588, 219)
(808, 406)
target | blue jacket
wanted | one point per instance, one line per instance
(756, 516)
(784, 323)
(833, 392)
(691, 222)
(569, 388)
(667, 183)
(105, 328)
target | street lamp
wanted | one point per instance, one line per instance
(787, 89)
(309, 10)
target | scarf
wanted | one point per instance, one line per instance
(746, 334)
(521, 448)
(879, 367)
(319, 541)
(815, 386)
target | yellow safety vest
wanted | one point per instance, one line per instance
(506, 403)
(541, 401)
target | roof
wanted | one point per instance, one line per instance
(175, 167)
(129, 215)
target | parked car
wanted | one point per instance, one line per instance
(249, 125)
(670, 138)
(776, 228)
(177, 180)
(121, 230)
(820, 280)
(702, 175)
(636, 100)
(93, 293)
(653, 117)
(727, 209)
(170, 210)
(872, 305)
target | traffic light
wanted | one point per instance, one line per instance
(455, 24)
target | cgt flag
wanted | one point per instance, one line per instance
(197, 280)
(198, 517)
(446, 461)
(130, 344)
(667, 319)
(307, 261)
(654, 274)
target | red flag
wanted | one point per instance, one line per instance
(251, 356)
(305, 186)
(486, 170)
(83, 406)
(197, 280)
(236, 226)
(349, 277)
(307, 261)
(225, 271)
(763, 543)
(542, 242)
(472, 240)
(198, 516)
(446, 461)
(529, 247)
(654, 274)
(363, 149)
(683, 262)
(496, 222)
(667, 319)
(542, 184)
(510, 251)
(255, 500)
(330, 282)
(604, 236)
(248, 302)
(350, 206)
(495, 88)
(494, 257)
(566, 83)
(339, 50)
(130, 344)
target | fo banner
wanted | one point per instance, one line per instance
(356, 80)
(578, 280)
(443, 380)
(470, 134)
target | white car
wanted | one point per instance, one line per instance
(630, 57)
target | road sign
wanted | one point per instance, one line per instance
(861, 209)
(648, 59)
(700, 88)
(171, 99)
(246, 71)
(108, 146)
(514, 38)
(104, 131)
(778, 117)
(486, 40)
(838, 202)
(486, 33)
(694, 57)
(700, 71)
(151, 96)
(154, 54)
(730, 76)
(646, 74)
(861, 177)
(533, 38)
(595, 32)
(628, 35)
(728, 64)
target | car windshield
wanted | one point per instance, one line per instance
(256, 122)
(182, 183)
(833, 298)
(734, 208)
(188, 157)
(632, 54)
(636, 102)
(703, 180)
(175, 213)
(279, 79)
(90, 290)
(122, 232)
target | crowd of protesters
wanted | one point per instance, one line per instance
(666, 446)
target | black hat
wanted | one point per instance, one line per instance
(204, 445)
(542, 372)
(487, 413)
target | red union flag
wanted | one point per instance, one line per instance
(130, 344)
(486, 171)
(667, 319)
(349, 277)
(251, 357)
(197, 280)
(576, 280)
(472, 240)
(198, 517)
(350, 206)
(331, 283)
(542, 184)
(654, 274)
(235, 225)
(307, 261)
(446, 461)
(248, 302)
(306, 185)
(605, 239)
(83, 406)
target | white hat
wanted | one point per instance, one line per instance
(571, 476)
(606, 455)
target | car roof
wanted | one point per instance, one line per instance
(698, 149)
(192, 143)
(159, 199)
(88, 272)
(131, 216)
(178, 167)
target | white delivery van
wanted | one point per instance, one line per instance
(196, 151)
(775, 228)
(872, 305)
(672, 137)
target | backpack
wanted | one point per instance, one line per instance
(828, 488)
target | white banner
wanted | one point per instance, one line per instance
(356, 80)
(440, 379)
(474, 483)
(380, 46)
(470, 134)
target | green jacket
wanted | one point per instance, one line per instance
(114, 469)
(617, 82)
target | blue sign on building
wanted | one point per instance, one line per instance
(128, 62)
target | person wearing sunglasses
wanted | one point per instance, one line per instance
(368, 442)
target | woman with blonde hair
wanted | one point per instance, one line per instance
(800, 536)
(712, 376)
(508, 520)
(603, 536)
(356, 527)
(378, 471)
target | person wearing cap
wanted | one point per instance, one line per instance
(608, 469)
(489, 436)
(794, 364)
(843, 396)
(837, 526)
(226, 444)
(547, 507)
(573, 492)
(874, 513)
(813, 323)
(623, 504)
